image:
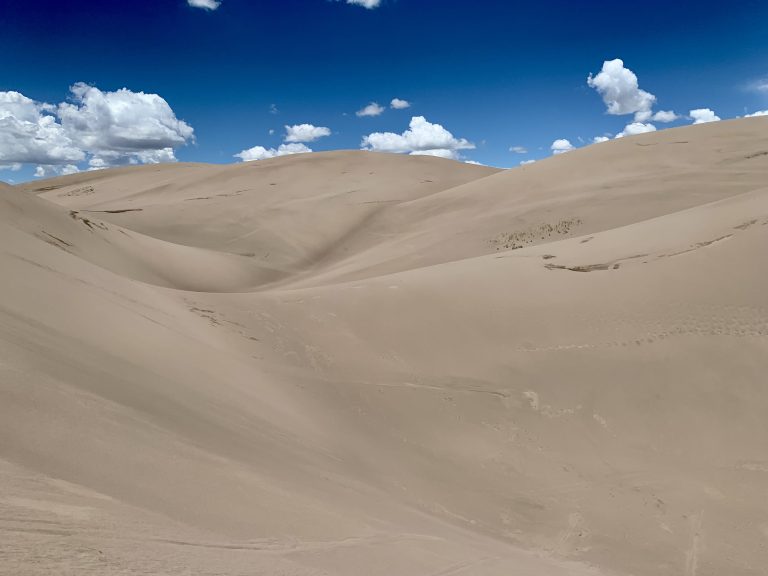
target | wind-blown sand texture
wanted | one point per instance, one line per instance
(352, 363)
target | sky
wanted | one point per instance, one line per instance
(89, 84)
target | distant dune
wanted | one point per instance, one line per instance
(350, 363)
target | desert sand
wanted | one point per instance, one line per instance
(351, 363)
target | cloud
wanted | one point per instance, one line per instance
(205, 4)
(399, 104)
(525, 162)
(636, 128)
(518, 149)
(759, 85)
(31, 134)
(422, 137)
(664, 116)
(305, 133)
(561, 146)
(261, 153)
(620, 91)
(370, 4)
(373, 109)
(599, 139)
(473, 162)
(703, 115)
(107, 128)
(123, 126)
(50, 171)
(273, 109)
(758, 113)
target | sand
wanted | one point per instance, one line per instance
(354, 363)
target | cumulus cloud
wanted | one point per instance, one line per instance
(599, 139)
(49, 171)
(620, 90)
(399, 104)
(262, 153)
(518, 149)
(422, 137)
(370, 4)
(305, 133)
(664, 116)
(205, 4)
(758, 113)
(107, 128)
(474, 162)
(561, 146)
(636, 128)
(703, 115)
(373, 109)
(30, 133)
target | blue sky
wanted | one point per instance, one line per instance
(494, 74)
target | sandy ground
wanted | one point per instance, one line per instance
(354, 363)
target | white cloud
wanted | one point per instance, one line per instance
(525, 162)
(399, 104)
(122, 123)
(48, 171)
(273, 109)
(422, 137)
(370, 4)
(473, 162)
(664, 116)
(636, 128)
(561, 146)
(105, 128)
(599, 139)
(12, 167)
(261, 153)
(703, 115)
(758, 113)
(373, 109)
(620, 91)
(305, 133)
(518, 149)
(205, 4)
(30, 133)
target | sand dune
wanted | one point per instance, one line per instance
(354, 363)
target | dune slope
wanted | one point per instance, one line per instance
(350, 363)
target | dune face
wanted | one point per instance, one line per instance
(354, 363)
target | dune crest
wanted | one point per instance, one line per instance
(355, 363)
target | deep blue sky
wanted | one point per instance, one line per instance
(496, 72)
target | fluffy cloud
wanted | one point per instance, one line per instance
(305, 133)
(30, 133)
(703, 115)
(422, 137)
(373, 109)
(758, 113)
(621, 92)
(599, 139)
(636, 128)
(261, 153)
(518, 149)
(664, 116)
(526, 162)
(107, 128)
(561, 146)
(399, 104)
(205, 4)
(49, 171)
(370, 4)
(121, 123)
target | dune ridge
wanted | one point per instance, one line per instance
(349, 362)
